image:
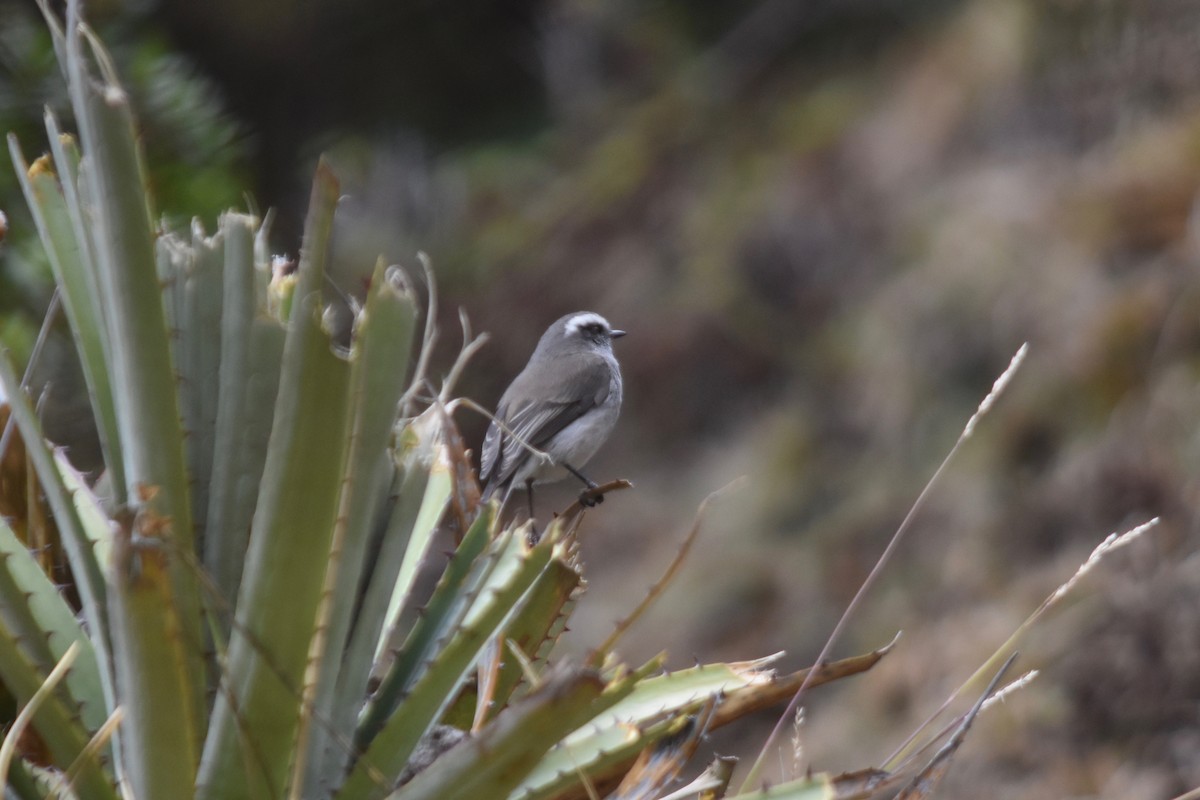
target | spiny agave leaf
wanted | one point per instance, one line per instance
(160, 760)
(94, 521)
(505, 555)
(685, 691)
(148, 414)
(426, 430)
(289, 543)
(151, 659)
(172, 259)
(708, 785)
(251, 351)
(198, 346)
(756, 696)
(597, 752)
(22, 782)
(465, 495)
(55, 720)
(76, 542)
(602, 757)
(388, 552)
(59, 223)
(494, 761)
(657, 706)
(539, 623)
(658, 766)
(379, 354)
(440, 619)
(34, 610)
(390, 750)
(64, 149)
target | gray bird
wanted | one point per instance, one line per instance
(564, 403)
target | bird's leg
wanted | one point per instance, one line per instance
(534, 536)
(585, 499)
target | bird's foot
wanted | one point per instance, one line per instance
(589, 499)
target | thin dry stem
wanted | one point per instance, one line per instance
(923, 784)
(428, 339)
(34, 356)
(954, 724)
(997, 388)
(94, 746)
(597, 656)
(1110, 543)
(470, 347)
(8, 750)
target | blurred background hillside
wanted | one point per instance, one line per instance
(827, 226)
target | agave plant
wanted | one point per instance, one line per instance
(240, 617)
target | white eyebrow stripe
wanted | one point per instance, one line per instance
(580, 321)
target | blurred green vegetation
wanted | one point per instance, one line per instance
(197, 152)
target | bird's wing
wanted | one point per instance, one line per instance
(489, 458)
(537, 421)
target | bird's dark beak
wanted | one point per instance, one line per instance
(617, 334)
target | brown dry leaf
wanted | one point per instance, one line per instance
(755, 697)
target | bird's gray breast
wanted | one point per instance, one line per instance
(580, 440)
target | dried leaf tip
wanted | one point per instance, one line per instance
(43, 165)
(759, 668)
(396, 280)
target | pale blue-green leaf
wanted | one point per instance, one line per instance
(35, 610)
(289, 544)
(239, 446)
(76, 543)
(379, 357)
(439, 620)
(388, 753)
(158, 762)
(437, 493)
(495, 760)
(73, 270)
(359, 658)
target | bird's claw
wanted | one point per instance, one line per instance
(588, 500)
